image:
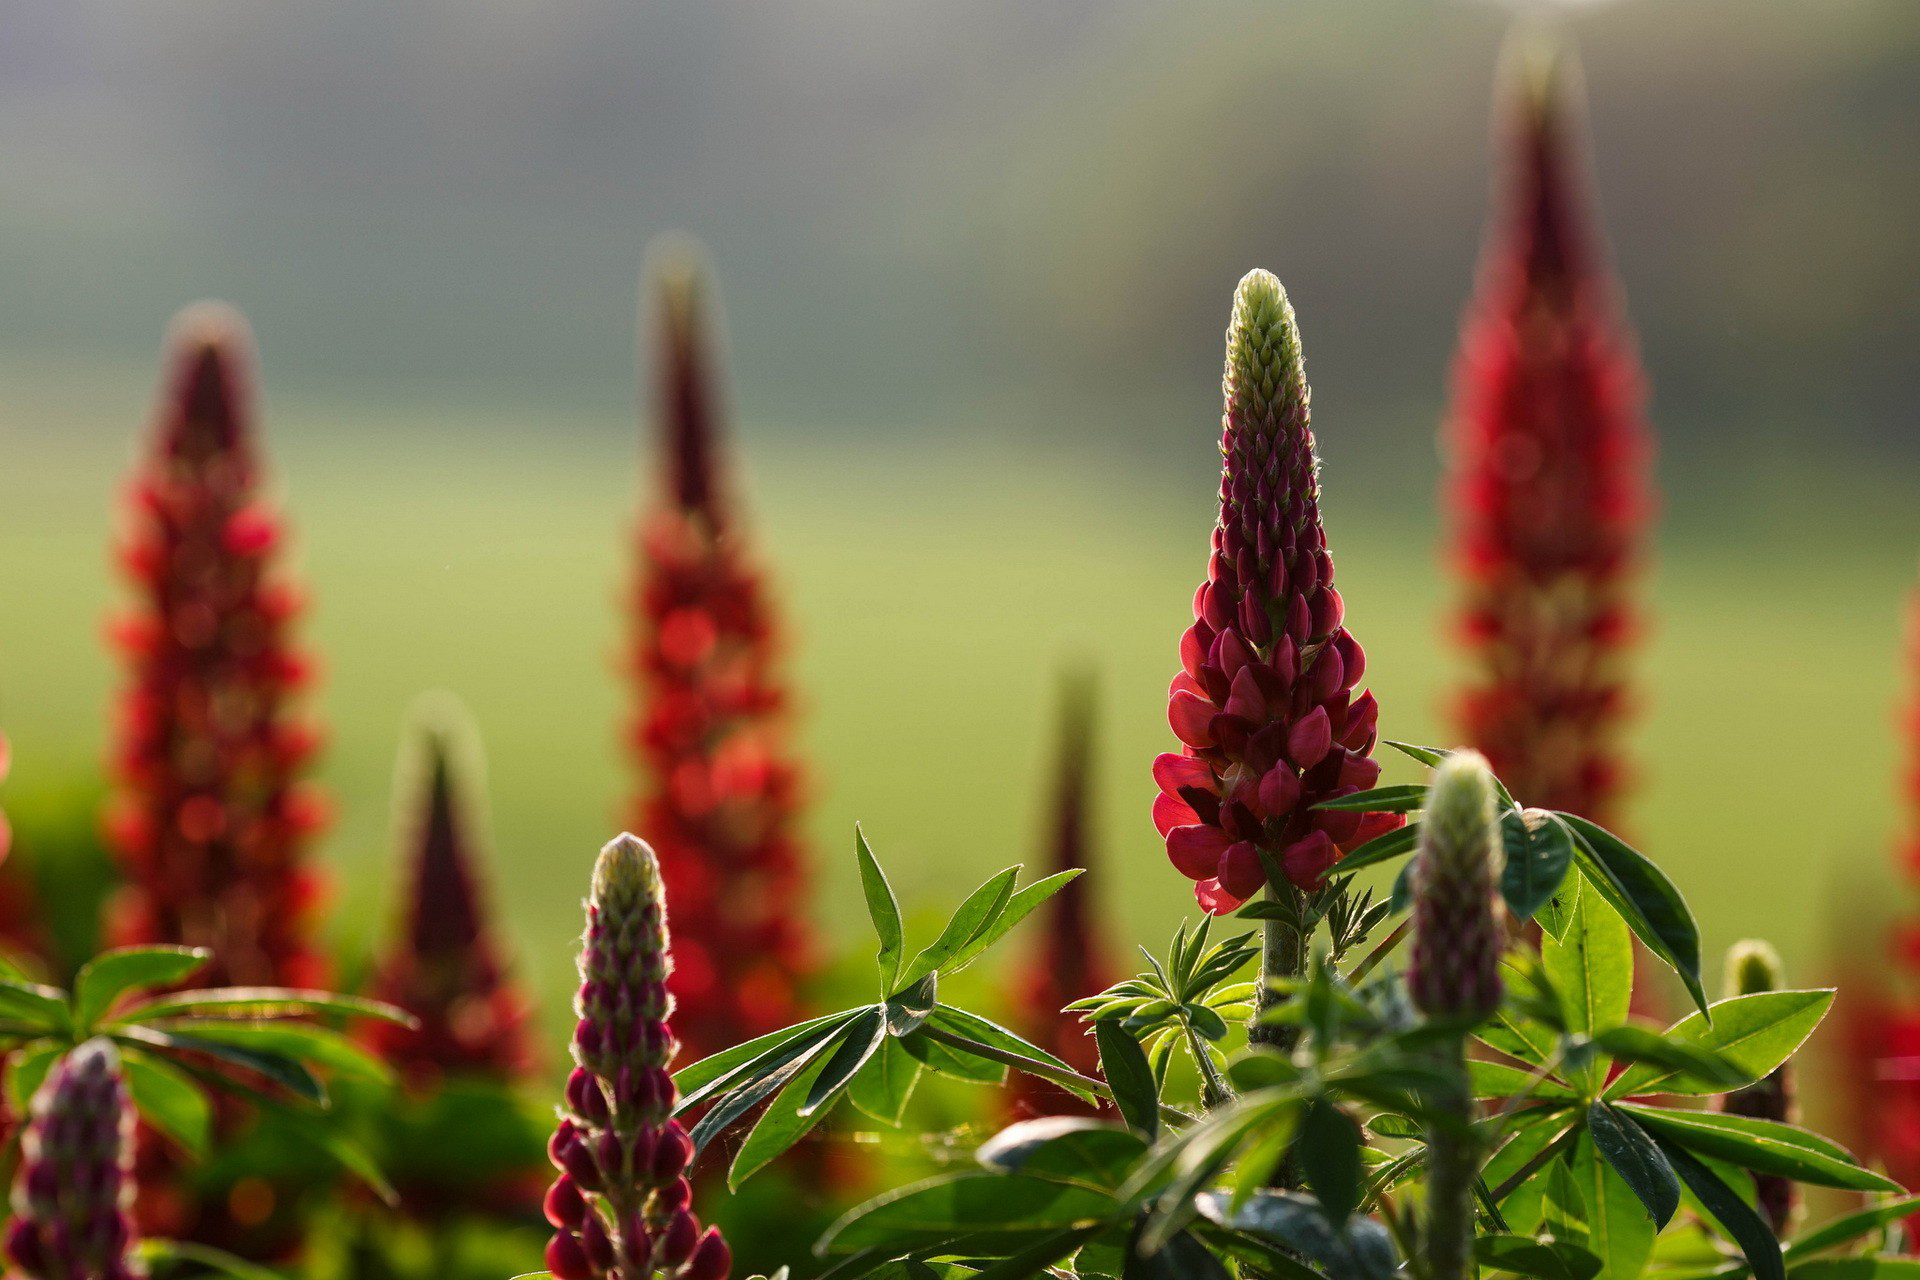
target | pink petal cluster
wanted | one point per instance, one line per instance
(1265, 704)
(74, 1190)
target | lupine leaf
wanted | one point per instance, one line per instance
(1389, 844)
(1640, 1045)
(1124, 1064)
(1637, 1159)
(1075, 1149)
(1543, 1258)
(969, 1203)
(1400, 797)
(288, 1073)
(884, 1085)
(883, 909)
(218, 1260)
(1643, 895)
(1181, 1258)
(1851, 1226)
(169, 1100)
(299, 1040)
(1620, 1230)
(1327, 1148)
(1766, 1146)
(1434, 755)
(1361, 1251)
(1036, 1258)
(862, 1042)
(767, 1077)
(942, 1059)
(696, 1077)
(1591, 968)
(1539, 851)
(263, 1002)
(111, 974)
(970, 919)
(1018, 908)
(971, 1026)
(32, 1003)
(27, 1069)
(1756, 1033)
(908, 1009)
(1746, 1227)
(786, 1120)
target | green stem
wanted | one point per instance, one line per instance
(1045, 1070)
(1214, 1090)
(1282, 955)
(1453, 1166)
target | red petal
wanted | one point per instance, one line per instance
(1195, 850)
(1240, 871)
(1306, 861)
(1191, 717)
(1173, 771)
(1280, 791)
(1310, 738)
(1246, 700)
(1170, 811)
(1214, 899)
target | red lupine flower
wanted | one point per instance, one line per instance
(74, 1188)
(447, 969)
(621, 1206)
(1265, 701)
(212, 820)
(1072, 961)
(723, 794)
(20, 918)
(1549, 471)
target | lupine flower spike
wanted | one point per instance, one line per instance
(1549, 466)
(1754, 967)
(448, 969)
(212, 819)
(20, 915)
(723, 794)
(621, 1205)
(1072, 961)
(1454, 979)
(73, 1193)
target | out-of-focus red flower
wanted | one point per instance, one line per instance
(1071, 961)
(723, 794)
(1265, 701)
(20, 918)
(1550, 454)
(447, 967)
(212, 819)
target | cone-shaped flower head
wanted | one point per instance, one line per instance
(1549, 465)
(1454, 973)
(447, 968)
(1265, 701)
(723, 794)
(21, 919)
(73, 1192)
(1072, 960)
(621, 1206)
(212, 819)
(1754, 967)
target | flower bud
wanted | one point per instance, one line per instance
(74, 1189)
(1454, 973)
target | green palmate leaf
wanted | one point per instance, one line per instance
(944, 1060)
(27, 1067)
(263, 1002)
(1557, 912)
(1531, 1042)
(884, 1085)
(1403, 797)
(959, 1022)
(1034, 1259)
(1624, 1145)
(720, 1065)
(1018, 908)
(1591, 968)
(277, 1068)
(1851, 1226)
(765, 1077)
(35, 1005)
(344, 1151)
(1135, 1091)
(863, 1039)
(1181, 1258)
(1748, 1230)
(299, 1040)
(1362, 1250)
(1542, 1257)
(1565, 1211)
(910, 1008)
(1434, 755)
(1504, 1080)
(1644, 897)
(1539, 851)
(1198, 1158)
(1641, 1045)
(1381, 848)
(974, 1203)
(1766, 1146)
(883, 909)
(1262, 1258)
(786, 1120)
(1327, 1148)
(972, 918)
(1619, 1229)
(169, 1100)
(1074, 1149)
(1755, 1033)
(112, 974)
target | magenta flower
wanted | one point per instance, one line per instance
(1265, 703)
(73, 1194)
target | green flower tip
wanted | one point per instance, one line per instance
(1264, 365)
(1753, 966)
(1462, 812)
(627, 874)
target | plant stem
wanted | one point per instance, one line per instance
(1453, 1165)
(1282, 955)
(1213, 1090)
(1045, 1070)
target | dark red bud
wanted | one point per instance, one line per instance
(597, 1244)
(580, 1165)
(1240, 871)
(567, 1259)
(1310, 738)
(1279, 791)
(675, 1243)
(672, 1151)
(711, 1260)
(565, 1206)
(1196, 850)
(557, 1145)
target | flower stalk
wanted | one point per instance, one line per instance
(72, 1197)
(621, 1207)
(1453, 978)
(1754, 967)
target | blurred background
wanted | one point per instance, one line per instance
(976, 261)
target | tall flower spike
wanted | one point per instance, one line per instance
(1264, 703)
(211, 819)
(447, 969)
(1550, 456)
(1072, 961)
(73, 1192)
(621, 1206)
(723, 794)
(1454, 979)
(1754, 967)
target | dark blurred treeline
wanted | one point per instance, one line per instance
(1017, 218)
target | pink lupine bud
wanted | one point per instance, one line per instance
(621, 1201)
(711, 1259)
(1458, 937)
(1268, 715)
(74, 1189)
